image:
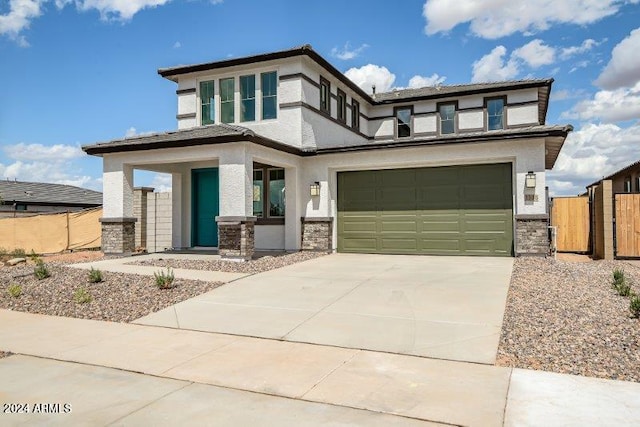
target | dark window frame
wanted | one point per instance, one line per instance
(439, 105)
(211, 104)
(341, 113)
(263, 97)
(355, 114)
(254, 98)
(233, 99)
(325, 83)
(638, 184)
(267, 219)
(396, 123)
(503, 98)
(627, 184)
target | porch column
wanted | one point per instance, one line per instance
(118, 220)
(236, 221)
(176, 210)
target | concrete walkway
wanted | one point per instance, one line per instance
(441, 307)
(121, 265)
(328, 385)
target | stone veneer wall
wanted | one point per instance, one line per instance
(317, 234)
(532, 235)
(236, 237)
(118, 235)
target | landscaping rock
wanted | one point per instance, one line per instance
(16, 261)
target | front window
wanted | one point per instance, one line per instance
(247, 98)
(227, 100)
(258, 193)
(269, 95)
(276, 192)
(325, 96)
(495, 114)
(207, 104)
(447, 118)
(355, 114)
(403, 122)
(268, 192)
(342, 106)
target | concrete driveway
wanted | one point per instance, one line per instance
(440, 307)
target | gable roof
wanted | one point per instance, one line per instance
(616, 174)
(405, 95)
(46, 193)
(223, 133)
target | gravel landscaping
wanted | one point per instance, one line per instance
(259, 265)
(119, 298)
(566, 317)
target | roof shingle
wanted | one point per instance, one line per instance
(47, 193)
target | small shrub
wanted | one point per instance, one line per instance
(19, 253)
(618, 274)
(41, 271)
(164, 280)
(82, 296)
(634, 306)
(3, 252)
(95, 275)
(34, 256)
(624, 288)
(15, 290)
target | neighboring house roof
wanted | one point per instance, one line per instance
(224, 133)
(618, 173)
(43, 193)
(405, 95)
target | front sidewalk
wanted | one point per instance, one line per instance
(419, 388)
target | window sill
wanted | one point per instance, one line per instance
(270, 221)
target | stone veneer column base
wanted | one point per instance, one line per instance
(118, 235)
(532, 235)
(317, 234)
(236, 237)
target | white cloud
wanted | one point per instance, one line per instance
(492, 19)
(608, 106)
(581, 64)
(122, 10)
(347, 52)
(418, 81)
(494, 67)
(623, 70)
(370, 75)
(177, 45)
(161, 182)
(594, 151)
(133, 132)
(535, 53)
(19, 17)
(28, 152)
(585, 46)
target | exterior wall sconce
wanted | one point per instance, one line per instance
(315, 189)
(530, 180)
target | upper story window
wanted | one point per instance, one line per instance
(325, 96)
(227, 100)
(355, 114)
(447, 118)
(247, 98)
(269, 85)
(495, 113)
(207, 103)
(637, 184)
(627, 184)
(403, 121)
(342, 106)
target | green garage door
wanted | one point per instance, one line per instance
(453, 210)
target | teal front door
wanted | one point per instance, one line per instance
(205, 207)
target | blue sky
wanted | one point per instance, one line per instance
(82, 71)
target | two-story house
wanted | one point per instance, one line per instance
(282, 151)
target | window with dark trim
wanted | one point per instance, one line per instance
(447, 118)
(355, 114)
(627, 184)
(637, 184)
(227, 100)
(342, 106)
(207, 103)
(404, 117)
(248, 98)
(325, 95)
(21, 207)
(495, 113)
(269, 88)
(268, 194)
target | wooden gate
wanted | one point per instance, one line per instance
(571, 217)
(627, 225)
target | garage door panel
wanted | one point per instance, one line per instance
(464, 210)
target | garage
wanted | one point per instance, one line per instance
(452, 210)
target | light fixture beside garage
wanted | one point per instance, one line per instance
(530, 180)
(315, 189)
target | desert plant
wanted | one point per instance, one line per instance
(618, 275)
(3, 252)
(624, 288)
(34, 257)
(15, 290)
(634, 305)
(82, 296)
(41, 271)
(19, 253)
(164, 280)
(95, 276)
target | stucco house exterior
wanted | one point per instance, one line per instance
(282, 151)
